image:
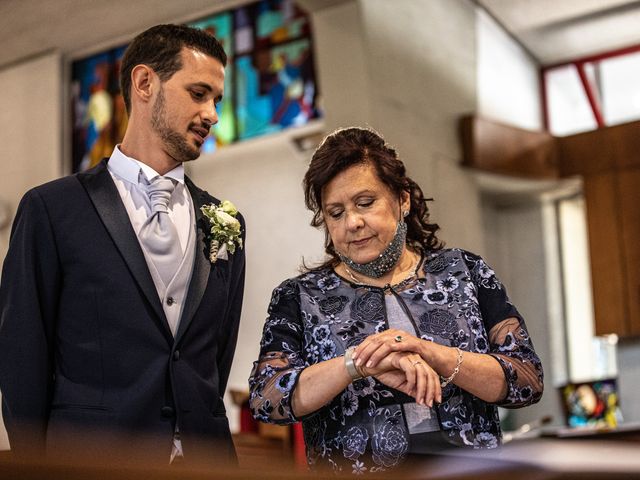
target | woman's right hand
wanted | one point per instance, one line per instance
(410, 374)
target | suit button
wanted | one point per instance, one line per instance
(176, 355)
(166, 412)
(170, 301)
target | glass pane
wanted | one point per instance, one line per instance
(270, 82)
(576, 276)
(223, 133)
(568, 106)
(99, 116)
(620, 80)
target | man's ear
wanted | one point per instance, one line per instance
(143, 80)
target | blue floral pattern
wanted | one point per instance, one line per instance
(354, 442)
(318, 315)
(389, 443)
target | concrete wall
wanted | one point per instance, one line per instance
(629, 379)
(30, 129)
(30, 135)
(508, 79)
(421, 69)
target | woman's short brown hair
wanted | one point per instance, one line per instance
(347, 147)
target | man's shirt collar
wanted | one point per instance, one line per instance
(130, 169)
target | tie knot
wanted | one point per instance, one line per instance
(159, 191)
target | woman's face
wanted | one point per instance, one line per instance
(361, 213)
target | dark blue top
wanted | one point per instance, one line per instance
(459, 302)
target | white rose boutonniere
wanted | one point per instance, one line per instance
(225, 228)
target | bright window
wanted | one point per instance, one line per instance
(595, 92)
(620, 86)
(568, 107)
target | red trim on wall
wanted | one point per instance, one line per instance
(597, 57)
(543, 99)
(588, 88)
(591, 96)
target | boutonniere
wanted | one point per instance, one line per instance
(225, 228)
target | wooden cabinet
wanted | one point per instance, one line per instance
(629, 197)
(613, 220)
(608, 160)
(607, 259)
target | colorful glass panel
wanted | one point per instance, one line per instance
(270, 81)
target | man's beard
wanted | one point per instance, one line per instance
(177, 145)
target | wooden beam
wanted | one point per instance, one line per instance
(498, 148)
(599, 151)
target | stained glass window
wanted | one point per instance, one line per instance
(98, 114)
(270, 81)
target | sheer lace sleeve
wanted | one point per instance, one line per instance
(275, 373)
(512, 347)
(508, 337)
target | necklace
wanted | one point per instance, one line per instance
(413, 274)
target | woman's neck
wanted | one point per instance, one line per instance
(404, 269)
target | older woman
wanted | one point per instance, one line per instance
(395, 345)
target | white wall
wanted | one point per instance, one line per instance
(421, 70)
(30, 129)
(629, 379)
(341, 56)
(578, 308)
(508, 78)
(263, 178)
(30, 126)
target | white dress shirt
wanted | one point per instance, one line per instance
(127, 174)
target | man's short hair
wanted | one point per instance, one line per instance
(159, 48)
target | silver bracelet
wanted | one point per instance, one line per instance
(456, 370)
(351, 367)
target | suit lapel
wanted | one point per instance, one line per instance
(106, 199)
(201, 263)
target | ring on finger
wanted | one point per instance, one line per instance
(398, 338)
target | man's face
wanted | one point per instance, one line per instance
(185, 106)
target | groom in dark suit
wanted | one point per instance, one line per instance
(117, 325)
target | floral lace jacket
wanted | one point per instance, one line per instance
(317, 315)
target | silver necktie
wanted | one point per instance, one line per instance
(158, 233)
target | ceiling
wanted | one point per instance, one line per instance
(32, 27)
(554, 31)
(551, 30)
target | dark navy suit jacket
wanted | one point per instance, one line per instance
(85, 347)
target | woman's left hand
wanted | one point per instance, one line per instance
(376, 347)
(426, 387)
